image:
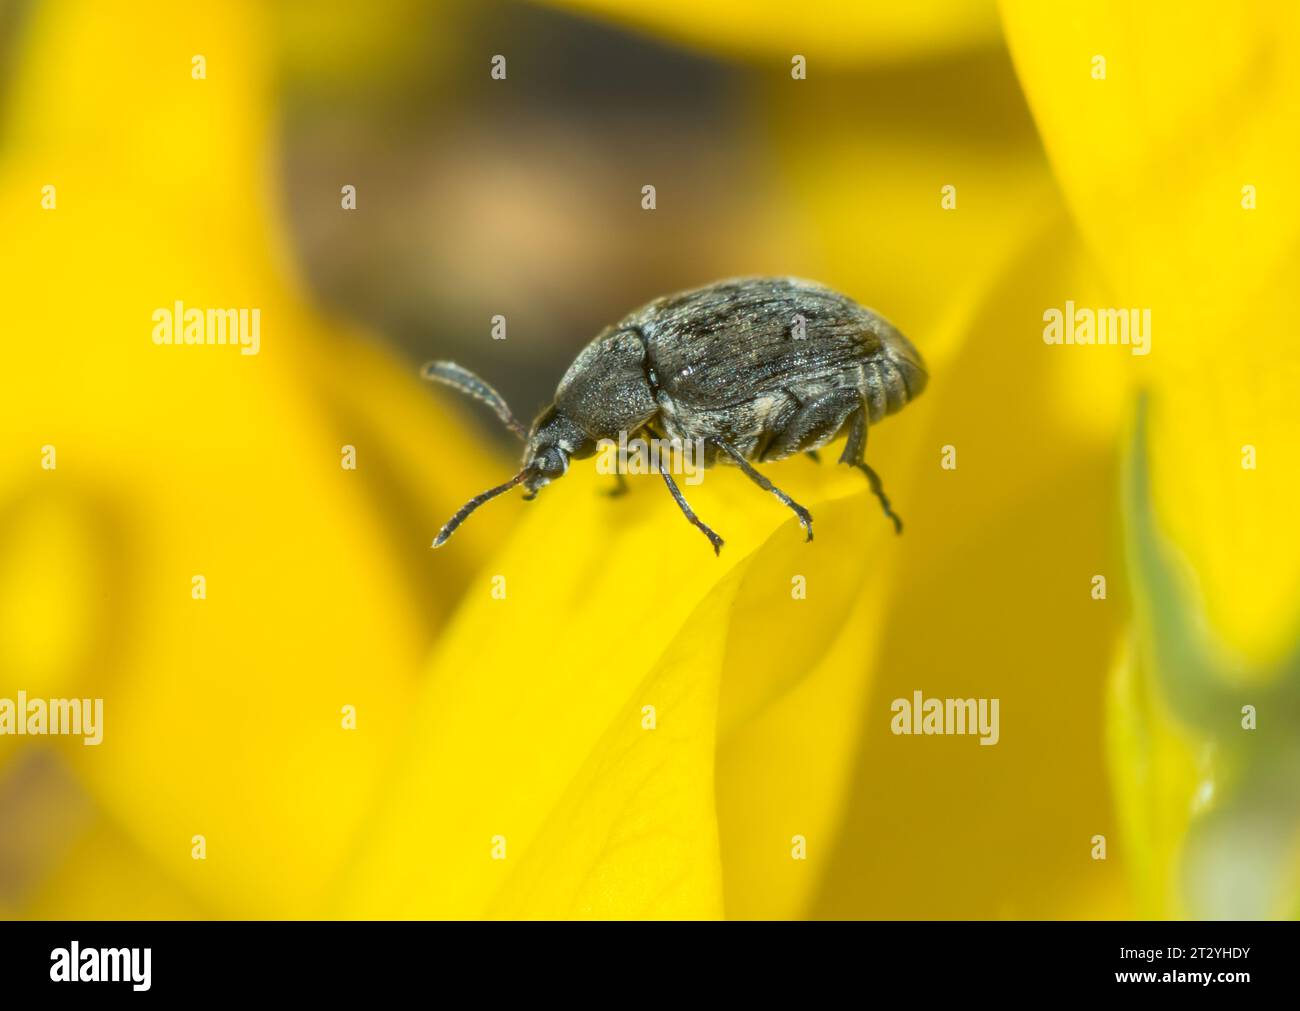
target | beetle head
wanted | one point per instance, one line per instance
(552, 442)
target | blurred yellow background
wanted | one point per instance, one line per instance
(499, 762)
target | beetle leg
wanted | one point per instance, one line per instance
(699, 524)
(620, 488)
(812, 424)
(855, 447)
(805, 517)
(813, 455)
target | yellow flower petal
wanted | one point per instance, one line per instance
(531, 725)
(223, 715)
(831, 30)
(1172, 131)
(1196, 105)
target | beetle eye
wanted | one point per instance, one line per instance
(556, 462)
(549, 462)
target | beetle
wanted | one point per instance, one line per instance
(758, 368)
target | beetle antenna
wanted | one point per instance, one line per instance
(450, 526)
(453, 375)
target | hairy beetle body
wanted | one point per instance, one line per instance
(731, 364)
(756, 368)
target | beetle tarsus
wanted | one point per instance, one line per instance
(620, 489)
(855, 447)
(878, 490)
(682, 504)
(805, 517)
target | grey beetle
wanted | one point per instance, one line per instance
(758, 368)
